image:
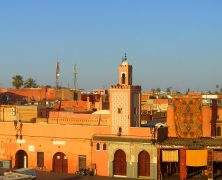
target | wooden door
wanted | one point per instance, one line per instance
(60, 163)
(144, 164)
(119, 165)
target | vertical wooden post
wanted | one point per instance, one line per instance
(159, 176)
(183, 167)
(210, 164)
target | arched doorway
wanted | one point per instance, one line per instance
(119, 163)
(21, 159)
(60, 163)
(144, 164)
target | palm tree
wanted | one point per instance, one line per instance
(17, 81)
(153, 90)
(30, 83)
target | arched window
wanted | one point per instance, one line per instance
(98, 147)
(104, 147)
(120, 131)
(123, 78)
(218, 131)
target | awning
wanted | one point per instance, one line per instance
(169, 155)
(196, 158)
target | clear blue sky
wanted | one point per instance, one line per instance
(169, 43)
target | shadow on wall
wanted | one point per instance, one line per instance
(7, 98)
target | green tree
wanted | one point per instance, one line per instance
(30, 83)
(17, 81)
(169, 90)
(158, 90)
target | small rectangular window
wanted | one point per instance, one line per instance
(104, 147)
(120, 110)
(98, 146)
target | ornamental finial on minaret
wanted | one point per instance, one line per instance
(124, 60)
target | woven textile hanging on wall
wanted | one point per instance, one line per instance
(188, 117)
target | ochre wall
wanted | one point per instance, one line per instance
(207, 116)
(140, 132)
(100, 158)
(170, 121)
(219, 112)
(41, 136)
(26, 113)
(7, 113)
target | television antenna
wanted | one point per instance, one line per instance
(75, 72)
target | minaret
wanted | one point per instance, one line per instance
(125, 72)
(124, 101)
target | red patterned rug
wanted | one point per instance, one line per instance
(188, 117)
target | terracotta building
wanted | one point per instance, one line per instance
(110, 141)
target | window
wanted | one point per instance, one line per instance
(104, 147)
(123, 78)
(120, 110)
(40, 159)
(120, 131)
(98, 147)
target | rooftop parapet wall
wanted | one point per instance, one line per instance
(36, 94)
(126, 65)
(78, 119)
(125, 87)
